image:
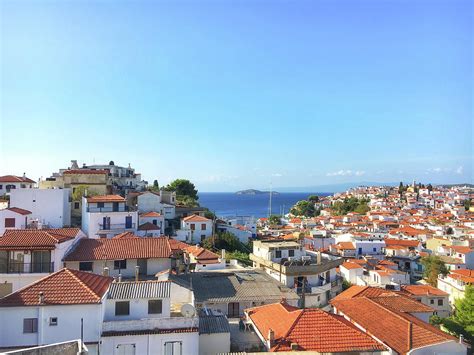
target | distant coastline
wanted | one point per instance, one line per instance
(255, 192)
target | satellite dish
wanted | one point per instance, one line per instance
(187, 310)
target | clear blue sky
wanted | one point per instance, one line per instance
(238, 94)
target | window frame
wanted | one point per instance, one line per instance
(154, 303)
(122, 303)
(33, 322)
(86, 269)
(291, 252)
(10, 219)
(119, 266)
(278, 252)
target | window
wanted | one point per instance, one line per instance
(431, 301)
(155, 306)
(278, 253)
(440, 302)
(120, 264)
(100, 205)
(122, 308)
(30, 325)
(155, 222)
(9, 222)
(76, 205)
(23, 186)
(291, 252)
(1, 187)
(374, 250)
(203, 226)
(53, 321)
(173, 348)
(193, 226)
(85, 266)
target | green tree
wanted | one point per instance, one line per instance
(209, 214)
(303, 208)
(186, 201)
(433, 266)
(274, 220)
(464, 314)
(313, 198)
(80, 191)
(225, 240)
(155, 187)
(430, 188)
(467, 204)
(183, 187)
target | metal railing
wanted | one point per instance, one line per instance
(16, 267)
(115, 226)
(110, 209)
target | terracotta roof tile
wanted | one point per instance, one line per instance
(148, 226)
(150, 214)
(423, 290)
(105, 198)
(196, 218)
(85, 171)
(36, 239)
(310, 329)
(15, 179)
(122, 248)
(396, 329)
(19, 210)
(63, 287)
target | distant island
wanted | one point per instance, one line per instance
(255, 192)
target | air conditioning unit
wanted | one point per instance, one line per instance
(306, 258)
(292, 258)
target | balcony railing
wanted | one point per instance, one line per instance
(14, 267)
(116, 226)
(110, 209)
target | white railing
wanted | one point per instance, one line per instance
(150, 323)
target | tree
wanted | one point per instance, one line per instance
(303, 208)
(183, 187)
(467, 204)
(313, 198)
(224, 240)
(186, 201)
(80, 191)
(155, 187)
(274, 220)
(433, 266)
(209, 214)
(430, 188)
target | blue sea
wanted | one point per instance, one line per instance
(227, 204)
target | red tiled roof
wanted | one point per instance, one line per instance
(201, 253)
(151, 214)
(465, 275)
(196, 218)
(117, 249)
(400, 331)
(402, 242)
(350, 266)
(19, 210)
(462, 249)
(17, 179)
(147, 226)
(85, 171)
(345, 246)
(423, 290)
(63, 287)
(310, 329)
(177, 245)
(35, 239)
(125, 235)
(105, 198)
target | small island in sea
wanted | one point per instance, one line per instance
(255, 192)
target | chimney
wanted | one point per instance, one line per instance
(271, 338)
(294, 346)
(120, 278)
(24, 175)
(318, 257)
(105, 272)
(223, 254)
(137, 272)
(41, 298)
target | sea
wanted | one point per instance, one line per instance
(229, 204)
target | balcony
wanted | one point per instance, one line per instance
(15, 267)
(93, 209)
(145, 324)
(116, 226)
(298, 268)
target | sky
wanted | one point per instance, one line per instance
(240, 94)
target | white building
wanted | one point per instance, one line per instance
(11, 182)
(52, 309)
(28, 255)
(138, 319)
(151, 224)
(13, 218)
(106, 216)
(150, 201)
(49, 207)
(312, 274)
(455, 283)
(195, 228)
